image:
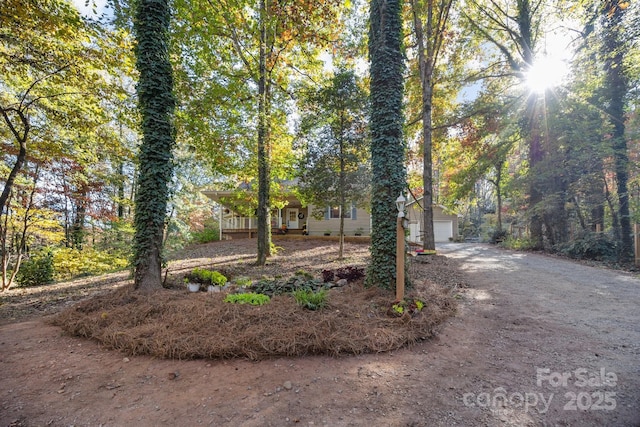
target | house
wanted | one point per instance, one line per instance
(238, 218)
(445, 225)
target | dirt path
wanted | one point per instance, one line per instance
(535, 337)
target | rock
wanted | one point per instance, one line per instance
(287, 385)
(341, 282)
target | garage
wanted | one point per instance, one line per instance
(445, 224)
(442, 230)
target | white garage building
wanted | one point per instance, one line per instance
(445, 225)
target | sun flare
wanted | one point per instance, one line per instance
(546, 73)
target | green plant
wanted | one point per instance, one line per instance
(274, 249)
(304, 274)
(310, 299)
(327, 232)
(36, 270)
(69, 263)
(398, 308)
(499, 236)
(359, 231)
(206, 235)
(278, 287)
(519, 244)
(217, 278)
(243, 282)
(412, 307)
(595, 246)
(207, 277)
(248, 298)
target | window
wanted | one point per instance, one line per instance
(333, 212)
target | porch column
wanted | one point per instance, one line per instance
(220, 222)
(279, 217)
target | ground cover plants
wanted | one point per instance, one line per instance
(304, 316)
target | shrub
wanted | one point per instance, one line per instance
(593, 246)
(206, 277)
(36, 270)
(278, 287)
(311, 300)
(304, 274)
(348, 273)
(519, 244)
(217, 278)
(327, 275)
(69, 263)
(248, 298)
(205, 236)
(499, 236)
(243, 282)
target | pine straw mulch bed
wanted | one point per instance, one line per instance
(174, 324)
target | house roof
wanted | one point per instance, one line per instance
(417, 202)
(229, 198)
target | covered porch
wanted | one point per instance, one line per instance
(237, 218)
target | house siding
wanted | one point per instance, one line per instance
(317, 227)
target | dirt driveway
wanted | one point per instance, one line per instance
(537, 342)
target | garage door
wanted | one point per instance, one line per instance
(442, 230)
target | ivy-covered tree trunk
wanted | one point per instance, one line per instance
(387, 145)
(264, 178)
(155, 160)
(615, 89)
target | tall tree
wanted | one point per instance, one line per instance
(616, 85)
(486, 139)
(515, 33)
(387, 143)
(264, 156)
(46, 77)
(430, 37)
(155, 160)
(53, 68)
(252, 50)
(335, 169)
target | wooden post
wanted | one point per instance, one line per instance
(399, 260)
(636, 246)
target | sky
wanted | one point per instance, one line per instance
(98, 5)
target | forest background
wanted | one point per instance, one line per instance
(520, 116)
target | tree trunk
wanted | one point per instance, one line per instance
(498, 184)
(536, 152)
(616, 86)
(21, 138)
(156, 102)
(342, 185)
(121, 190)
(427, 59)
(535, 194)
(264, 202)
(387, 144)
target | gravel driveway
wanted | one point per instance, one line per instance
(537, 341)
(560, 336)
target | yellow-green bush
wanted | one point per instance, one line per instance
(70, 263)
